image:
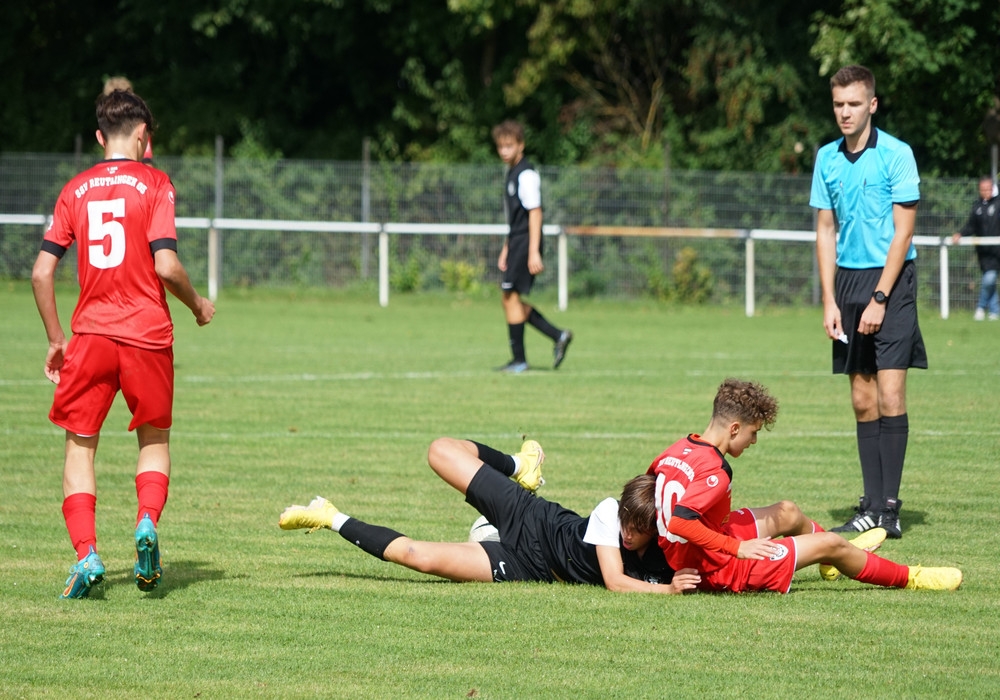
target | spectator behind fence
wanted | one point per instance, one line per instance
(984, 222)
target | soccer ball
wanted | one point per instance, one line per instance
(483, 531)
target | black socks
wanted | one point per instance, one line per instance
(371, 538)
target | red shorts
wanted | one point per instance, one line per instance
(96, 368)
(739, 575)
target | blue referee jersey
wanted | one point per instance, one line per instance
(861, 194)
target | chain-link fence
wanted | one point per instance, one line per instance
(686, 268)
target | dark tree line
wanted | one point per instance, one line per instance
(696, 84)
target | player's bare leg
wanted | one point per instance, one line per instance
(831, 548)
(79, 492)
(78, 471)
(782, 519)
(457, 561)
(154, 449)
(514, 309)
(516, 314)
(870, 568)
(456, 461)
(152, 481)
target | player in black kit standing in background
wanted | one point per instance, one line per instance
(521, 257)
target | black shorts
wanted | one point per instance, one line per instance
(517, 278)
(898, 344)
(522, 519)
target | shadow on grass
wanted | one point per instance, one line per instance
(366, 577)
(177, 575)
(907, 518)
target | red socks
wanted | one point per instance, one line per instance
(78, 511)
(79, 508)
(883, 572)
(151, 489)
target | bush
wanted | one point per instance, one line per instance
(460, 276)
(692, 282)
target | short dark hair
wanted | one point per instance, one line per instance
(744, 401)
(853, 74)
(120, 111)
(508, 129)
(637, 507)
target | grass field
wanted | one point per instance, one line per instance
(287, 395)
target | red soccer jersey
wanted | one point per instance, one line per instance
(692, 478)
(114, 211)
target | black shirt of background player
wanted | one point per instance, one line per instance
(517, 215)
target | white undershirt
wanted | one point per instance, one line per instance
(529, 189)
(603, 527)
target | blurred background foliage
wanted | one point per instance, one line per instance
(733, 85)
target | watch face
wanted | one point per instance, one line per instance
(880, 297)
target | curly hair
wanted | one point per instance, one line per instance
(508, 129)
(745, 401)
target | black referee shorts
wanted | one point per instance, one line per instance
(898, 344)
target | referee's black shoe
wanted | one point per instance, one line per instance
(889, 518)
(864, 519)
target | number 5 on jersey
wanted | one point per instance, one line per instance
(99, 231)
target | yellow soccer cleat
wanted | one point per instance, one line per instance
(869, 540)
(529, 474)
(934, 578)
(318, 514)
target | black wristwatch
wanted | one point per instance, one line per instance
(880, 297)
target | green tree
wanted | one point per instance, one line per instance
(730, 85)
(937, 66)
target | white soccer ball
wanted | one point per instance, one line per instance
(483, 531)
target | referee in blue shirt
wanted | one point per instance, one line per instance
(865, 187)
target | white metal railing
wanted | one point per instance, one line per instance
(384, 230)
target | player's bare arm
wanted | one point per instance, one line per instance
(615, 579)
(826, 259)
(535, 264)
(43, 287)
(175, 278)
(502, 260)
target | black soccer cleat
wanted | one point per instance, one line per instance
(864, 518)
(559, 352)
(889, 518)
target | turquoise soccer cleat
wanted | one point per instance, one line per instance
(147, 555)
(83, 575)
